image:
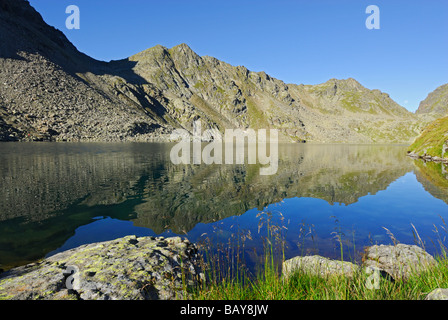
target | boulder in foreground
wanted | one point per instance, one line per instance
(399, 261)
(317, 265)
(392, 262)
(142, 268)
(438, 294)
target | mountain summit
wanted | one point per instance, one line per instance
(436, 102)
(51, 91)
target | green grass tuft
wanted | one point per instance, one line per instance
(230, 280)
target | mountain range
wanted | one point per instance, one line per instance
(49, 91)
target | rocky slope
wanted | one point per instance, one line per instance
(51, 91)
(432, 144)
(228, 96)
(357, 113)
(44, 94)
(436, 103)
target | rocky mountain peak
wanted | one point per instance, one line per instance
(183, 48)
(352, 82)
(436, 102)
(346, 84)
(155, 52)
(184, 57)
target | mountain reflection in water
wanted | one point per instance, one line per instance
(57, 196)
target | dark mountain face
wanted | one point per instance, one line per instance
(51, 91)
(45, 93)
(24, 30)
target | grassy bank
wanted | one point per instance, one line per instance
(229, 279)
(432, 139)
(303, 286)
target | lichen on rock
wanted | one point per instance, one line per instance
(393, 262)
(399, 261)
(129, 268)
(317, 265)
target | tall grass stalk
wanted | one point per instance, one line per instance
(268, 283)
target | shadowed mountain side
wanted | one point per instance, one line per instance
(203, 194)
(51, 91)
(26, 32)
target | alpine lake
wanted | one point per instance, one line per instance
(326, 199)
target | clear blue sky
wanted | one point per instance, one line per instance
(295, 41)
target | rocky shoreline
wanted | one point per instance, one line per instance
(149, 268)
(427, 157)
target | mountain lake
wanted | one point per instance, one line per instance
(326, 199)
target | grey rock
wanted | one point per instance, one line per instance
(390, 262)
(413, 155)
(438, 294)
(144, 268)
(399, 261)
(318, 265)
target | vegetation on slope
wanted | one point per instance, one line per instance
(433, 140)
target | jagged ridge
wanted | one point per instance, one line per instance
(436, 102)
(51, 91)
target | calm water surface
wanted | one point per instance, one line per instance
(58, 196)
